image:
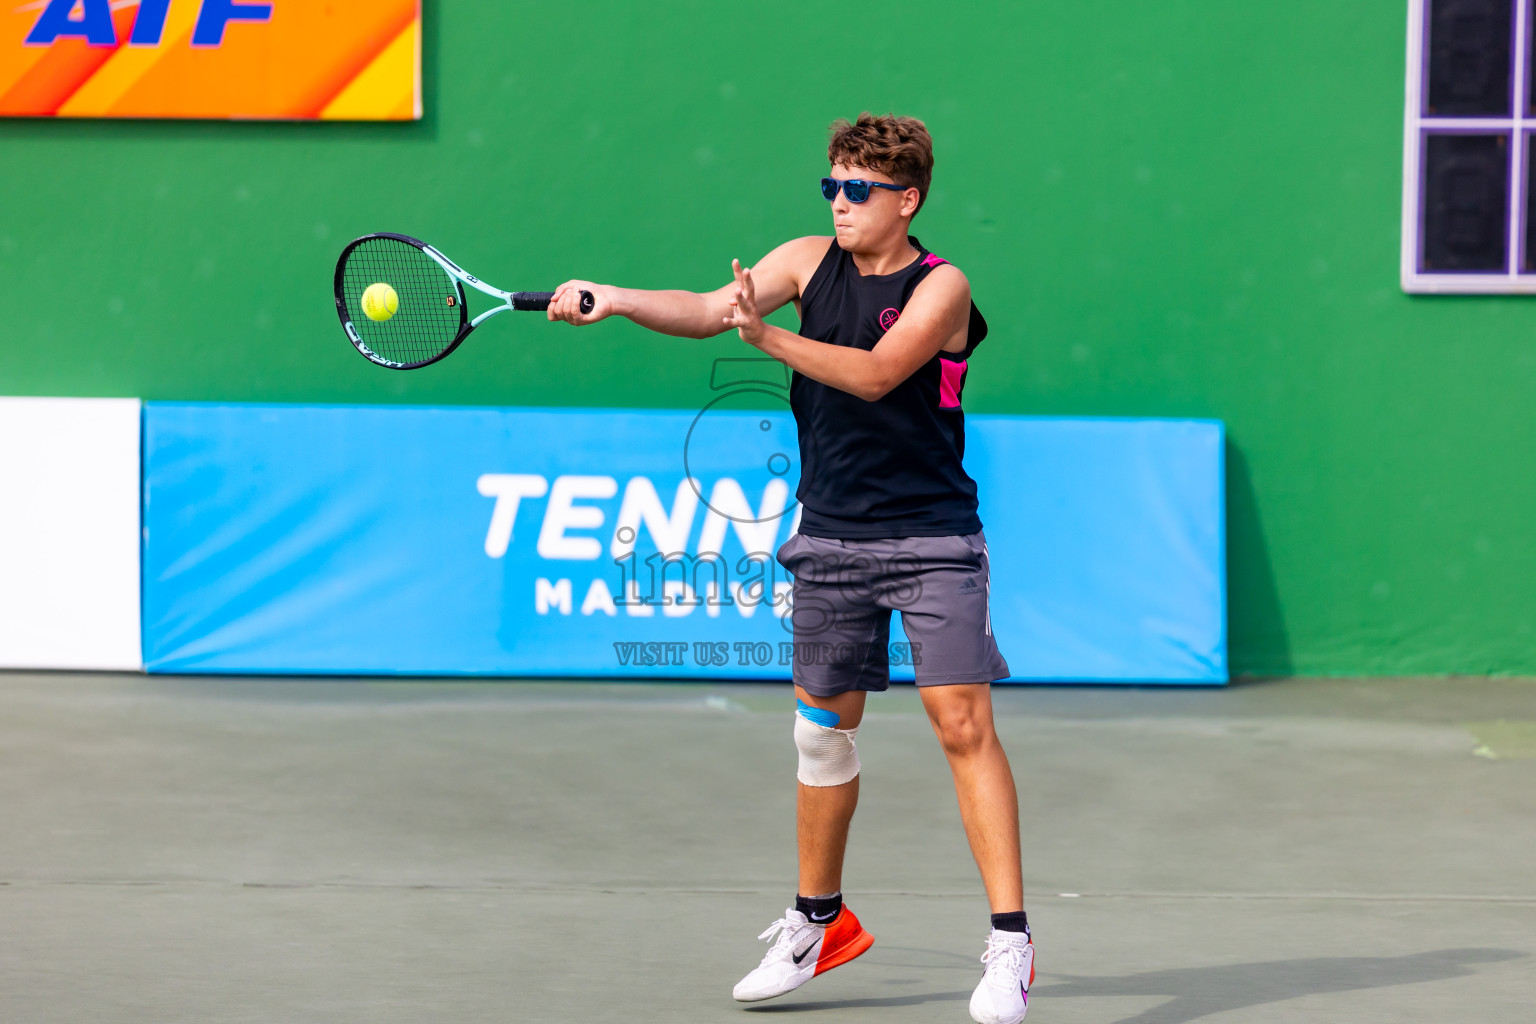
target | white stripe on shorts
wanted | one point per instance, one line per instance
(989, 586)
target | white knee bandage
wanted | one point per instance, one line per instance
(827, 756)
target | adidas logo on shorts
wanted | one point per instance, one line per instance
(969, 586)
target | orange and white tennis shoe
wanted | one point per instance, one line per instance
(803, 950)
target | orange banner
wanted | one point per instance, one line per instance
(355, 60)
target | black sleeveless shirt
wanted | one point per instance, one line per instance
(892, 467)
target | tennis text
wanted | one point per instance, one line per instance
(671, 578)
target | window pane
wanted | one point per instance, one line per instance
(1466, 198)
(1468, 58)
(1530, 70)
(1529, 259)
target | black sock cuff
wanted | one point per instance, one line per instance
(820, 909)
(1014, 921)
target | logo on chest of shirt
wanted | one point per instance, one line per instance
(888, 317)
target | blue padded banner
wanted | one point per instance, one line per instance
(527, 542)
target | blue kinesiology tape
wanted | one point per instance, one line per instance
(818, 716)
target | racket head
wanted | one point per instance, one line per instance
(432, 317)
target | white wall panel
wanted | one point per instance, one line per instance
(69, 533)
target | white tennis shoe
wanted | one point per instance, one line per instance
(803, 949)
(1003, 995)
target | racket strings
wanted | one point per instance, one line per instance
(430, 314)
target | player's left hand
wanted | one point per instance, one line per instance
(744, 316)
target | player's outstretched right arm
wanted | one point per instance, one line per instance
(779, 277)
(678, 313)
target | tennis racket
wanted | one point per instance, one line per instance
(402, 305)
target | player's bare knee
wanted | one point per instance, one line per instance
(828, 756)
(962, 735)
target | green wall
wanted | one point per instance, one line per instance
(1180, 209)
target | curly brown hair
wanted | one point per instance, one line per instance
(898, 146)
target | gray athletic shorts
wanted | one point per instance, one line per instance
(845, 591)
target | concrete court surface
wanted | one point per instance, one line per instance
(217, 849)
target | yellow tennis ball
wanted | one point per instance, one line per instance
(380, 301)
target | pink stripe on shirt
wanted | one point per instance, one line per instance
(951, 377)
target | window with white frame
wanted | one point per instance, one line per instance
(1467, 161)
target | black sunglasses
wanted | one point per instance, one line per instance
(856, 189)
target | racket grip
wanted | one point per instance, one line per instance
(538, 302)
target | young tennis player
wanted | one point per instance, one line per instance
(888, 521)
